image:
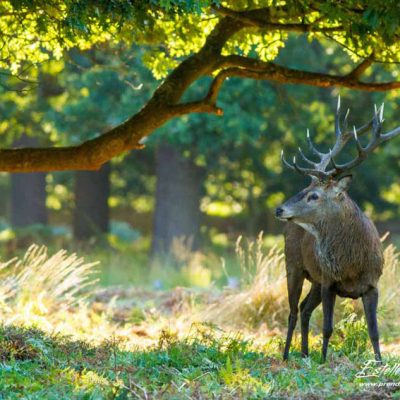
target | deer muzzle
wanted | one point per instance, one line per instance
(282, 214)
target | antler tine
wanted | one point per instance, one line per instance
(303, 171)
(306, 159)
(338, 133)
(311, 146)
(363, 152)
(341, 138)
(358, 144)
(345, 121)
(363, 129)
(308, 171)
(332, 159)
(297, 168)
(286, 162)
(319, 169)
(340, 168)
(348, 134)
(376, 132)
(391, 134)
(377, 121)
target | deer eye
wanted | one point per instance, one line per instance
(313, 196)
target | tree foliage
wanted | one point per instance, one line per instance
(186, 43)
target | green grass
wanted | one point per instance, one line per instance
(207, 363)
(63, 339)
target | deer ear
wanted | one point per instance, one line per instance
(343, 183)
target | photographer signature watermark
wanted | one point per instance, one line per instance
(375, 369)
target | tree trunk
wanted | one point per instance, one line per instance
(91, 213)
(28, 193)
(177, 213)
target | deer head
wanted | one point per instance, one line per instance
(317, 202)
(330, 180)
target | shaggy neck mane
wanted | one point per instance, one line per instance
(344, 240)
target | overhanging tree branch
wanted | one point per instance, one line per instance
(281, 74)
(204, 106)
(260, 18)
(165, 102)
(162, 107)
(247, 67)
(361, 68)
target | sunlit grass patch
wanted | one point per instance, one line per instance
(262, 296)
(260, 299)
(51, 292)
(44, 281)
(389, 294)
(78, 341)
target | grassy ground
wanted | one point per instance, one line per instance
(205, 364)
(64, 338)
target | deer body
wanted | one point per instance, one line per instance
(343, 248)
(328, 239)
(331, 243)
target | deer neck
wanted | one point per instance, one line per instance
(342, 224)
(310, 228)
(336, 237)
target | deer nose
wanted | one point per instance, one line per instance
(279, 212)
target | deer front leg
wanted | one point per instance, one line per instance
(370, 302)
(328, 295)
(295, 281)
(308, 305)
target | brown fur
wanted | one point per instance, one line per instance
(331, 243)
(348, 251)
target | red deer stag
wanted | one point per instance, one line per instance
(328, 239)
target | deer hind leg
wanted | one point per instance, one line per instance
(328, 295)
(308, 305)
(295, 281)
(370, 302)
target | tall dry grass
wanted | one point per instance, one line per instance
(49, 291)
(389, 293)
(38, 285)
(262, 294)
(262, 298)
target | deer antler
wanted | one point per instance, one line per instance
(318, 169)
